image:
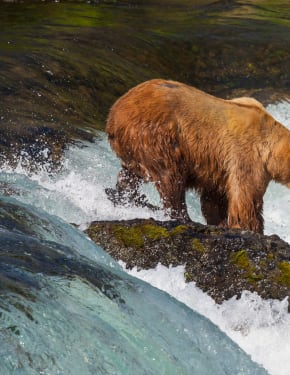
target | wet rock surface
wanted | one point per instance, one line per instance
(222, 262)
(63, 64)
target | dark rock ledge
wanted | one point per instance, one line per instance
(222, 262)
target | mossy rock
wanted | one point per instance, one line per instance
(136, 236)
(284, 277)
(154, 232)
(222, 262)
(197, 245)
(240, 259)
(130, 237)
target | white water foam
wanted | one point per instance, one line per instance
(77, 194)
(260, 327)
(79, 189)
(277, 197)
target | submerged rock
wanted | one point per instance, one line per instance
(222, 262)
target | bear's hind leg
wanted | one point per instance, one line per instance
(246, 214)
(214, 207)
(246, 206)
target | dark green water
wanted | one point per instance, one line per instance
(64, 64)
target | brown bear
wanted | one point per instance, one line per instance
(181, 138)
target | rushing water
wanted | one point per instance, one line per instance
(64, 313)
(67, 308)
(71, 310)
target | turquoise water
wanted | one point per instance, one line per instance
(67, 308)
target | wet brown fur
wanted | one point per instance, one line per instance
(181, 138)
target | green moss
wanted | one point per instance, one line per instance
(188, 277)
(154, 232)
(284, 277)
(197, 245)
(130, 237)
(240, 259)
(135, 236)
(252, 277)
(178, 230)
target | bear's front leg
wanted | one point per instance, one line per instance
(172, 193)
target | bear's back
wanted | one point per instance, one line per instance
(244, 100)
